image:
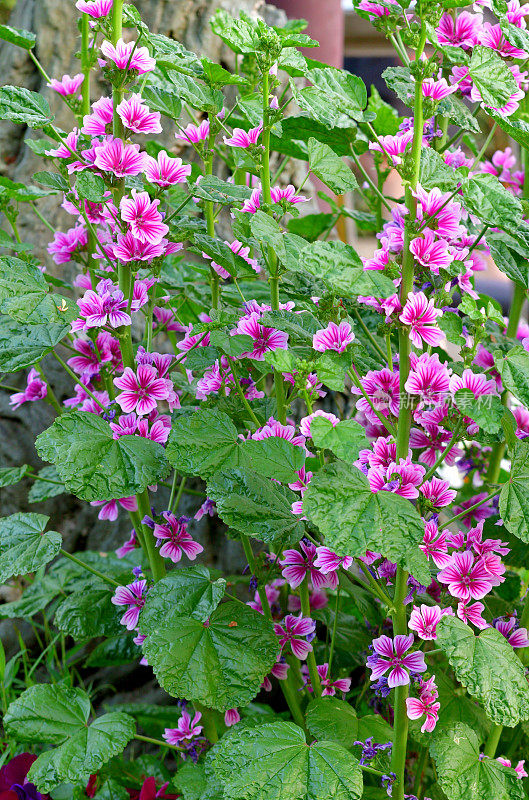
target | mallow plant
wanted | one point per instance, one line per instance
(358, 424)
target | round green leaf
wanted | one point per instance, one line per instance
(47, 713)
(274, 762)
(332, 719)
(514, 496)
(221, 662)
(86, 614)
(24, 546)
(184, 592)
(22, 345)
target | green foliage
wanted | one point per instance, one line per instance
(25, 296)
(514, 496)
(24, 544)
(24, 107)
(333, 720)
(17, 36)
(87, 614)
(184, 592)
(345, 439)
(329, 168)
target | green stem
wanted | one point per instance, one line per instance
(50, 394)
(94, 571)
(291, 696)
(85, 62)
(158, 742)
(210, 225)
(492, 742)
(208, 723)
(311, 658)
(369, 335)
(476, 505)
(420, 767)
(173, 506)
(248, 552)
(241, 394)
(117, 91)
(156, 561)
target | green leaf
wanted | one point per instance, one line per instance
(90, 186)
(53, 180)
(11, 475)
(113, 652)
(386, 120)
(514, 496)
(240, 35)
(353, 519)
(345, 439)
(93, 465)
(329, 168)
(188, 592)
(491, 76)
(21, 106)
(461, 771)
(332, 719)
(342, 89)
(340, 267)
(213, 188)
(320, 107)
(171, 54)
(19, 37)
(42, 490)
(486, 411)
(517, 129)
(514, 371)
(273, 457)
(331, 369)
(217, 76)
(203, 443)
(231, 345)
(196, 94)
(24, 547)
(510, 262)
(310, 226)
(255, 506)
(25, 295)
(485, 197)
(162, 100)
(220, 662)
(47, 713)
(376, 726)
(35, 599)
(489, 669)
(434, 173)
(274, 762)
(87, 614)
(452, 326)
(221, 253)
(302, 128)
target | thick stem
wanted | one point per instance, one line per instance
(311, 658)
(85, 63)
(117, 92)
(492, 742)
(156, 561)
(214, 279)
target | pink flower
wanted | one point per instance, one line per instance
(64, 245)
(187, 729)
(424, 621)
(253, 204)
(110, 508)
(377, 10)
(438, 492)
(306, 422)
(136, 117)
(426, 704)
(516, 13)
(519, 768)
(104, 307)
(391, 654)
(420, 315)
(521, 416)
(492, 36)
(478, 383)
(67, 86)
(327, 561)
(129, 248)
(379, 260)
(429, 379)
(142, 390)
(275, 428)
(483, 511)
(143, 217)
(439, 213)
(402, 478)
(290, 629)
(382, 388)
(462, 32)
(297, 565)
(241, 138)
(179, 541)
(65, 150)
(393, 146)
(231, 717)
(133, 596)
(242, 251)
(431, 252)
(36, 389)
(194, 134)
(434, 545)
(121, 159)
(437, 90)
(472, 613)
(128, 56)
(265, 339)
(333, 337)
(90, 358)
(95, 8)
(165, 171)
(329, 686)
(95, 124)
(467, 579)
(517, 637)
(286, 194)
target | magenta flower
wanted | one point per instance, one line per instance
(64, 151)
(137, 117)
(467, 578)
(431, 252)
(327, 561)
(128, 56)
(265, 339)
(128, 546)
(143, 216)
(133, 596)
(472, 612)
(186, 730)
(438, 492)
(119, 158)
(106, 306)
(439, 213)
(67, 86)
(377, 10)
(291, 629)
(484, 511)
(296, 565)
(330, 687)
(305, 423)
(420, 315)
(379, 260)
(165, 171)
(434, 545)
(333, 337)
(437, 90)
(286, 194)
(424, 621)
(194, 134)
(519, 768)
(390, 654)
(110, 508)
(428, 378)
(425, 705)
(231, 717)
(253, 204)
(241, 138)
(478, 383)
(238, 248)
(462, 32)
(95, 124)
(275, 428)
(129, 248)
(64, 245)
(393, 146)
(492, 36)
(517, 637)
(95, 8)
(142, 389)
(36, 389)
(403, 478)
(174, 539)
(382, 388)
(105, 350)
